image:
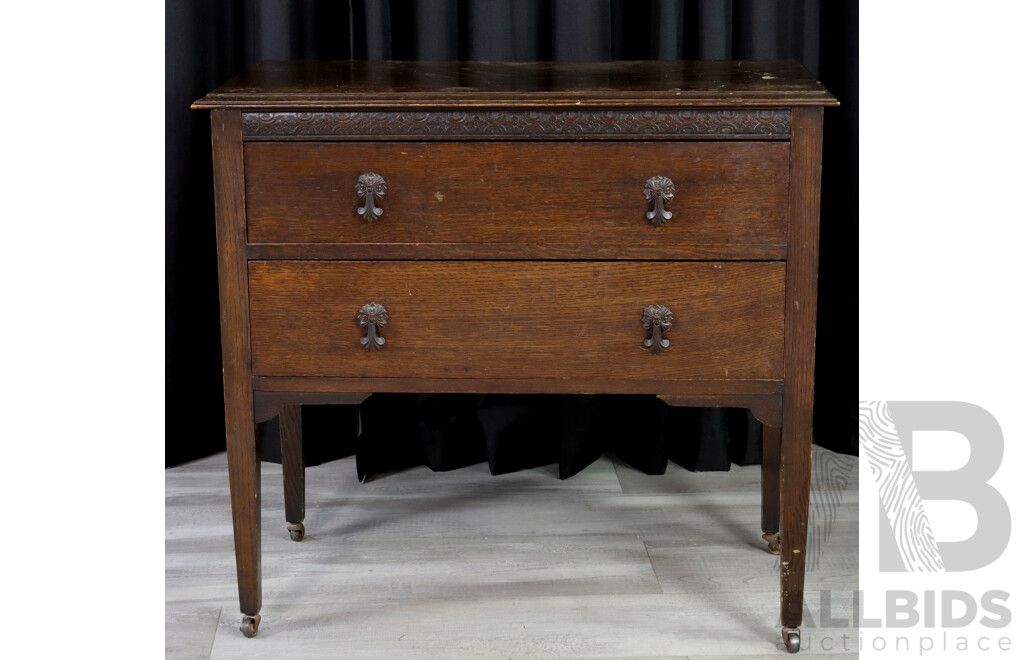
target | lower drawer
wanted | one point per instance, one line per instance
(515, 319)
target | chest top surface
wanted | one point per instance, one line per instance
(295, 85)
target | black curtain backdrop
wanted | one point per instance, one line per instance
(209, 42)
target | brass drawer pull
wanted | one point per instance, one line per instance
(371, 187)
(657, 319)
(659, 192)
(373, 317)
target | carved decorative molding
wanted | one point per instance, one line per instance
(564, 124)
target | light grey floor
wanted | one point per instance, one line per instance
(609, 564)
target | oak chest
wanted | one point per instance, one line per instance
(627, 227)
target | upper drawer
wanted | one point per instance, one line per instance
(521, 199)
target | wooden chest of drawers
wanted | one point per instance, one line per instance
(630, 227)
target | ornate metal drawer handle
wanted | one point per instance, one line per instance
(373, 317)
(657, 319)
(659, 191)
(371, 187)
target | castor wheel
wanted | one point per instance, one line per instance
(250, 624)
(792, 639)
(774, 542)
(297, 531)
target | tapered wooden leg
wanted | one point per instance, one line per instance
(242, 442)
(796, 480)
(244, 475)
(294, 469)
(798, 397)
(771, 494)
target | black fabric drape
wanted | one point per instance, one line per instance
(207, 43)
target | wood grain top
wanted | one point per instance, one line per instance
(361, 84)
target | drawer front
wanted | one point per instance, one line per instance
(502, 319)
(563, 200)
